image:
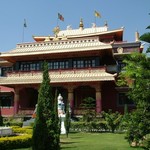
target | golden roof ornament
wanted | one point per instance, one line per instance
(81, 24)
(56, 30)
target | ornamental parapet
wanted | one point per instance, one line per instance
(58, 76)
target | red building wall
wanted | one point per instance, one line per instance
(109, 96)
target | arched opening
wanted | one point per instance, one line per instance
(81, 93)
(28, 98)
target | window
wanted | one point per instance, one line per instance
(121, 65)
(4, 70)
(50, 65)
(74, 64)
(87, 63)
(66, 64)
(61, 64)
(6, 100)
(33, 66)
(27, 66)
(84, 63)
(93, 63)
(56, 65)
(123, 99)
(80, 64)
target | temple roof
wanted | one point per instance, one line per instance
(82, 32)
(51, 47)
(79, 33)
(6, 89)
(70, 40)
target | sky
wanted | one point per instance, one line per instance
(41, 17)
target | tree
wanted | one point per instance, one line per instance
(1, 120)
(67, 119)
(137, 77)
(146, 38)
(45, 136)
(112, 119)
(88, 105)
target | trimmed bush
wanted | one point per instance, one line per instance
(25, 130)
(94, 126)
(8, 143)
(13, 121)
(113, 120)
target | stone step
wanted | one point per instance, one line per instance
(28, 122)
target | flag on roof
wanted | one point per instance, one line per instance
(60, 17)
(25, 24)
(97, 14)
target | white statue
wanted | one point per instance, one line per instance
(61, 113)
(35, 111)
(61, 108)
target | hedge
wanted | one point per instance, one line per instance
(89, 126)
(21, 141)
(24, 130)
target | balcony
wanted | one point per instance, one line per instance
(112, 68)
(58, 76)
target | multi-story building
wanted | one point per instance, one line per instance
(82, 63)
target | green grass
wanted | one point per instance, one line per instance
(94, 141)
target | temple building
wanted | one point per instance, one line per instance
(82, 63)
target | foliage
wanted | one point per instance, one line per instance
(137, 70)
(146, 37)
(93, 126)
(12, 121)
(1, 120)
(44, 130)
(88, 105)
(125, 119)
(146, 142)
(56, 122)
(24, 130)
(21, 141)
(67, 119)
(113, 119)
(138, 126)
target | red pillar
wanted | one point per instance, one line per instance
(16, 101)
(98, 100)
(71, 100)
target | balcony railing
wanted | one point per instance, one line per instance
(56, 72)
(58, 76)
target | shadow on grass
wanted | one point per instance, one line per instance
(77, 137)
(68, 147)
(68, 142)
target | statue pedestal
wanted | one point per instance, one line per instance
(6, 131)
(62, 129)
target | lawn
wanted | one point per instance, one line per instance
(94, 141)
